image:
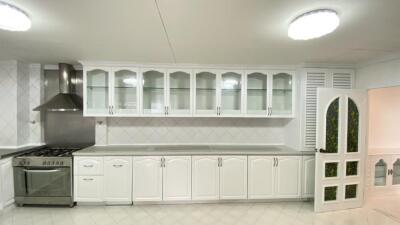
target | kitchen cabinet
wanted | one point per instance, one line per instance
(288, 175)
(6, 183)
(274, 177)
(308, 180)
(179, 92)
(111, 91)
(233, 177)
(177, 178)
(88, 188)
(118, 180)
(205, 177)
(384, 174)
(158, 92)
(261, 177)
(147, 178)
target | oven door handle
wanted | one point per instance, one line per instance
(42, 171)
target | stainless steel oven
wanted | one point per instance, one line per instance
(39, 180)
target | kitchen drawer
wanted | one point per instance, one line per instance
(88, 165)
(88, 188)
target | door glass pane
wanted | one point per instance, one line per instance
(332, 127)
(153, 92)
(97, 90)
(352, 168)
(331, 169)
(125, 90)
(330, 193)
(396, 172)
(179, 87)
(350, 191)
(282, 94)
(352, 126)
(231, 92)
(257, 93)
(380, 173)
(206, 91)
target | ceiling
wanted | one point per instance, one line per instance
(199, 31)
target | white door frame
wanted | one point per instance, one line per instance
(325, 97)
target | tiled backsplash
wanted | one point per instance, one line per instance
(19, 93)
(190, 131)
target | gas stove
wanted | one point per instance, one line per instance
(43, 176)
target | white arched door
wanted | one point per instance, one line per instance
(340, 157)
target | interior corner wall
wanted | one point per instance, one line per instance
(378, 75)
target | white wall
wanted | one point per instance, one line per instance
(384, 74)
(384, 119)
(19, 84)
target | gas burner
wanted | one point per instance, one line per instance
(47, 151)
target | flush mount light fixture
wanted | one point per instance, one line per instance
(13, 18)
(313, 24)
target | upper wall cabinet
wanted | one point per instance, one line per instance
(111, 91)
(127, 91)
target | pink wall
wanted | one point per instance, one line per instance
(384, 119)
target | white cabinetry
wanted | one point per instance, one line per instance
(261, 177)
(288, 175)
(308, 180)
(118, 180)
(222, 177)
(177, 174)
(274, 177)
(205, 177)
(134, 91)
(384, 174)
(233, 177)
(6, 182)
(147, 178)
(88, 188)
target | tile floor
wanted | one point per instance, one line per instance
(299, 213)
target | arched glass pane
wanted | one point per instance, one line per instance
(257, 84)
(396, 172)
(153, 92)
(179, 87)
(97, 91)
(353, 117)
(125, 89)
(380, 173)
(332, 127)
(282, 94)
(231, 92)
(206, 91)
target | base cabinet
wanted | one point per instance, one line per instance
(274, 177)
(233, 177)
(6, 183)
(384, 175)
(308, 180)
(177, 178)
(147, 178)
(205, 177)
(88, 188)
(118, 180)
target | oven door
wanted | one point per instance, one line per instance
(43, 181)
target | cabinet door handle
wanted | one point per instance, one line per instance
(274, 162)
(88, 179)
(219, 162)
(117, 166)
(109, 109)
(277, 162)
(112, 109)
(162, 162)
(88, 166)
(167, 110)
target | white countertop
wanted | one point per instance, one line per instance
(162, 150)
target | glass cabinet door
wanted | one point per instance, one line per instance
(380, 173)
(206, 93)
(97, 91)
(396, 172)
(125, 92)
(153, 92)
(231, 93)
(179, 93)
(282, 94)
(257, 93)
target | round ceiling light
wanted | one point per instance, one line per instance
(13, 18)
(313, 24)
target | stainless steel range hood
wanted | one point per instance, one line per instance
(66, 100)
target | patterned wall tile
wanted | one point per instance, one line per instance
(194, 131)
(22, 104)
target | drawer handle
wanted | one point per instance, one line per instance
(88, 179)
(117, 166)
(88, 166)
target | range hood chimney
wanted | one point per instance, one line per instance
(66, 100)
